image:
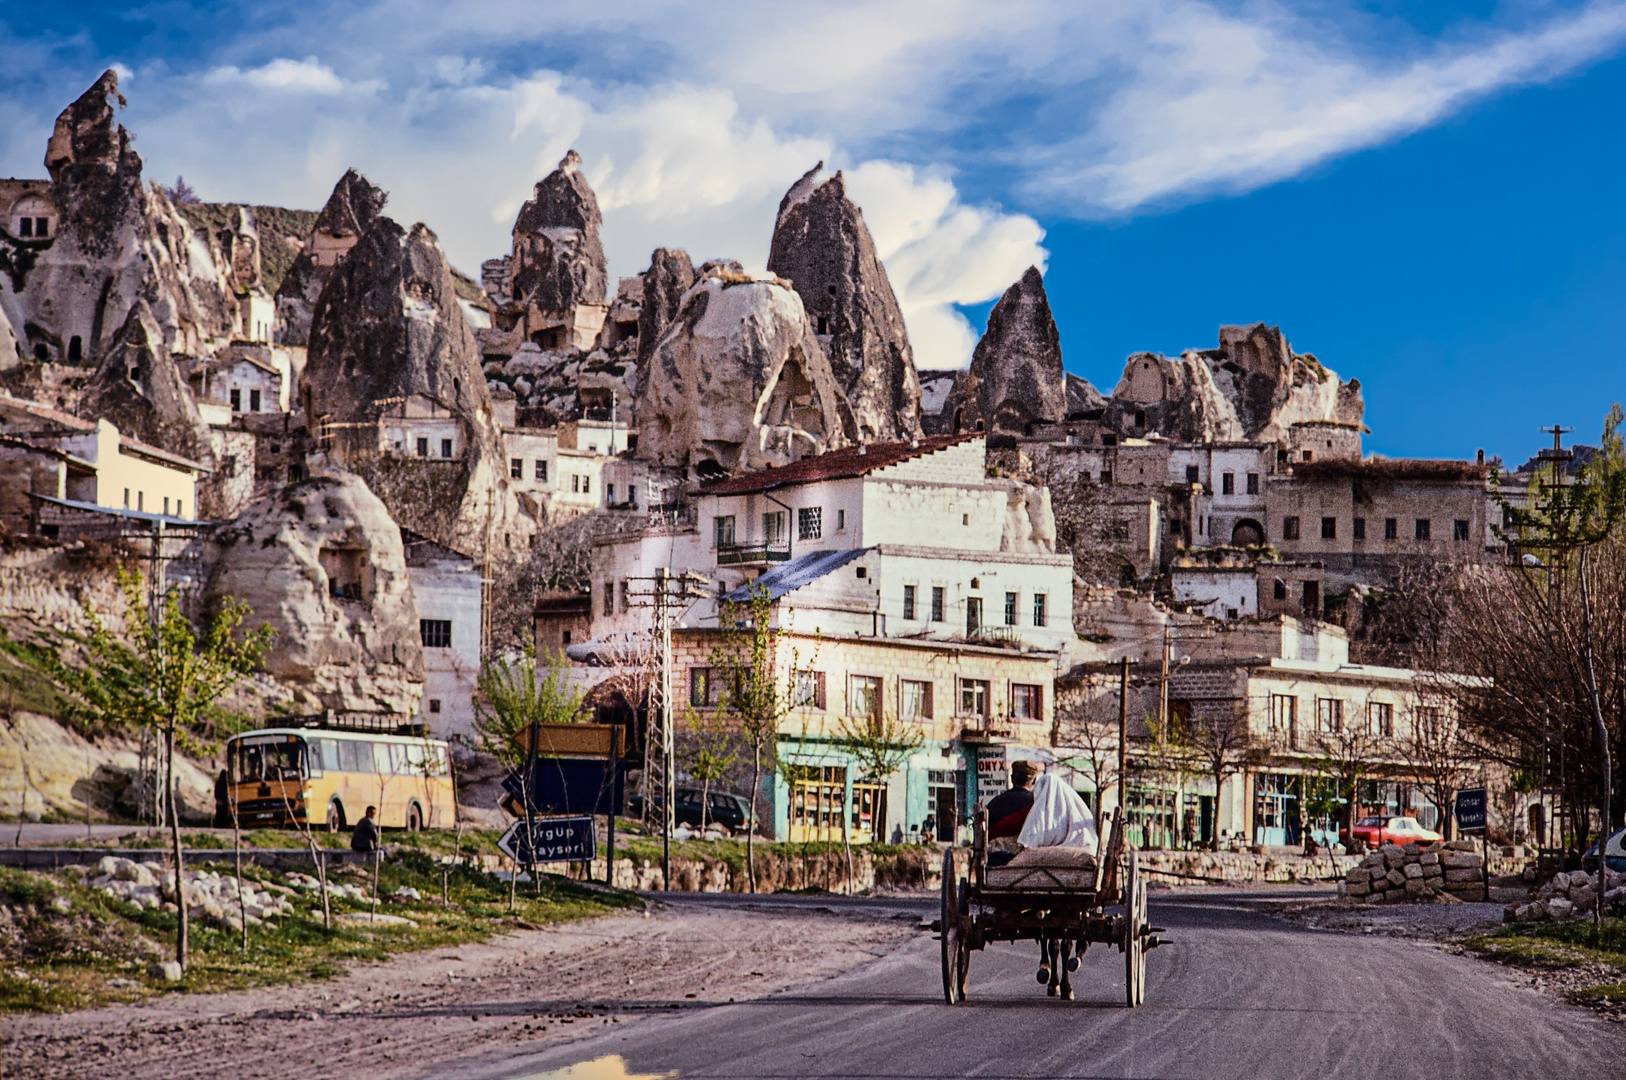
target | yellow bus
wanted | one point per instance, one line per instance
(328, 778)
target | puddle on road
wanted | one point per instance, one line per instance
(609, 1067)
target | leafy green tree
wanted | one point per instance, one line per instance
(709, 753)
(880, 745)
(158, 675)
(516, 692)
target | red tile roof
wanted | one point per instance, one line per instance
(836, 465)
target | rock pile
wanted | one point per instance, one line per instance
(1570, 896)
(210, 896)
(1417, 872)
(306, 883)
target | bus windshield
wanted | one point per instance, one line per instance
(281, 758)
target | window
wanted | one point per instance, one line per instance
(609, 598)
(236, 401)
(1422, 528)
(810, 523)
(253, 401)
(1329, 714)
(722, 530)
(909, 603)
(1140, 417)
(1193, 474)
(1027, 701)
(25, 226)
(541, 469)
(974, 697)
(1459, 529)
(1041, 616)
(1284, 713)
(434, 705)
(702, 688)
(841, 520)
(127, 498)
(1290, 528)
(809, 690)
(576, 483)
(773, 527)
(1253, 483)
(1312, 599)
(914, 699)
(609, 493)
(516, 468)
(937, 603)
(1279, 590)
(587, 485)
(1010, 608)
(141, 500)
(42, 226)
(1380, 719)
(864, 695)
(626, 596)
(166, 505)
(1309, 455)
(445, 448)
(1227, 483)
(1359, 529)
(973, 615)
(436, 633)
(1329, 528)
(423, 446)
(1391, 529)
(179, 508)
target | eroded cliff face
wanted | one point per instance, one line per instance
(739, 379)
(1253, 387)
(352, 208)
(118, 243)
(558, 260)
(139, 387)
(822, 246)
(669, 276)
(322, 563)
(388, 336)
(1016, 381)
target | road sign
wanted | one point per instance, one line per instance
(572, 740)
(552, 839)
(1471, 809)
(569, 786)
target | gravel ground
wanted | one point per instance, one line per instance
(528, 990)
(1433, 922)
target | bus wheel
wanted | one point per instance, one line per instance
(414, 818)
(335, 816)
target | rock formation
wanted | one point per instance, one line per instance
(349, 212)
(739, 380)
(669, 276)
(139, 387)
(1083, 399)
(388, 336)
(1030, 523)
(322, 563)
(118, 242)
(1016, 379)
(1252, 387)
(821, 244)
(558, 261)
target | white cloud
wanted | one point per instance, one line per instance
(307, 76)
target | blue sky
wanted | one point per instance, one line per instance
(1424, 195)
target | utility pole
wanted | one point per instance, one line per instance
(1123, 738)
(1553, 796)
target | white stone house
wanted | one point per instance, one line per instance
(420, 426)
(451, 617)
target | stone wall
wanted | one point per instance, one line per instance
(1417, 873)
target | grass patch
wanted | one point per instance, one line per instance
(64, 945)
(1555, 945)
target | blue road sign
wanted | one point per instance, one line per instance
(570, 786)
(1471, 809)
(552, 839)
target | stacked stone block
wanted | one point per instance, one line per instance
(1570, 896)
(1417, 873)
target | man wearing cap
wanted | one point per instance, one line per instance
(1008, 810)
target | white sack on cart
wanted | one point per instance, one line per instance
(1059, 817)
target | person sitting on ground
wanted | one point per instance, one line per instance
(366, 836)
(1008, 811)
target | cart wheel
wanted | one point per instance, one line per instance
(953, 950)
(965, 937)
(1134, 942)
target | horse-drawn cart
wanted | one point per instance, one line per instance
(1057, 897)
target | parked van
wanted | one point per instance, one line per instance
(328, 778)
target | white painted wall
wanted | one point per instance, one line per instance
(1233, 592)
(450, 589)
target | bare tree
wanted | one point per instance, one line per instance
(1436, 755)
(1217, 734)
(1086, 730)
(1347, 758)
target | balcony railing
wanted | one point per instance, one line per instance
(752, 554)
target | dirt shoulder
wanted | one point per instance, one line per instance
(401, 1016)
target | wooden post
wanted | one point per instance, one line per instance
(1123, 735)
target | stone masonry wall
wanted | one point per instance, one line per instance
(1417, 873)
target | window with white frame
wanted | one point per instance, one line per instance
(722, 530)
(974, 697)
(1041, 614)
(773, 527)
(914, 699)
(1027, 701)
(1284, 713)
(810, 523)
(809, 690)
(1329, 714)
(1380, 719)
(864, 695)
(908, 603)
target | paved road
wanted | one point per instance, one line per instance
(1238, 994)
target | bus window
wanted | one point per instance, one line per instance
(417, 759)
(381, 759)
(330, 754)
(355, 756)
(437, 758)
(278, 760)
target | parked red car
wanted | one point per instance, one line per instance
(1391, 830)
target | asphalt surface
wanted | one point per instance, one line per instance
(1238, 993)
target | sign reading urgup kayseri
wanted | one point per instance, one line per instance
(552, 839)
(1471, 809)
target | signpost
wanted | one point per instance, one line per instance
(550, 839)
(1471, 810)
(572, 769)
